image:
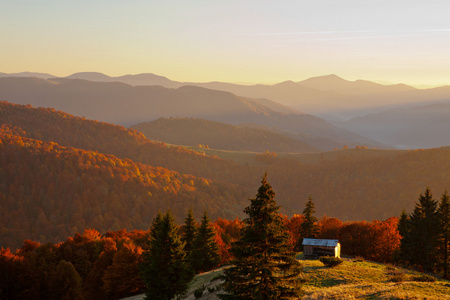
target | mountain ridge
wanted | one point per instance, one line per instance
(327, 96)
(424, 126)
(123, 104)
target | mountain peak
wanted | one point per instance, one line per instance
(92, 76)
(28, 74)
(331, 78)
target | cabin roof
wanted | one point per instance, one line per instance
(320, 242)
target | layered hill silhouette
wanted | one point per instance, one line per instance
(348, 186)
(329, 96)
(415, 127)
(28, 74)
(119, 103)
(216, 135)
(390, 109)
(49, 125)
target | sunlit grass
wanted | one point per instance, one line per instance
(367, 280)
(246, 157)
(353, 279)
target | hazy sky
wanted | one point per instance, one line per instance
(238, 41)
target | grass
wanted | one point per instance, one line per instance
(356, 279)
(353, 279)
(246, 157)
(207, 279)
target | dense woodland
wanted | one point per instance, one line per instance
(106, 266)
(58, 198)
(47, 124)
(349, 187)
(48, 192)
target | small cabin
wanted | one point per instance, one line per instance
(321, 247)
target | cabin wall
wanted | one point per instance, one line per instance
(308, 250)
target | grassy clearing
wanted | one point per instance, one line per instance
(206, 279)
(353, 279)
(245, 157)
(367, 280)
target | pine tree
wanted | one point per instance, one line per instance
(205, 254)
(309, 228)
(164, 269)
(420, 243)
(403, 224)
(404, 228)
(264, 266)
(189, 232)
(444, 239)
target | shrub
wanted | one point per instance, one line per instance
(398, 277)
(358, 259)
(199, 292)
(424, 278)
(330, 261)
(211, 289)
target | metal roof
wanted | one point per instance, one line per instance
(320, 242)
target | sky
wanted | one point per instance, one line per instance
(393, 41)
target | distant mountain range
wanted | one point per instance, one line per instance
(28, 74)
(123, 104)
(327, 96)
(413, 127)
(397, 115)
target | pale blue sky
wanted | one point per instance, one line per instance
(237, 41)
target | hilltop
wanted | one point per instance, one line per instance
(354, 279)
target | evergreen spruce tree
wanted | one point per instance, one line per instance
(164, 269)
(444, 240)
(309, 228)
(189, 232)
(404, 229)
(403, 224)
(264, 265)
(420, 243)
(205, 254)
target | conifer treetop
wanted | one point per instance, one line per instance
(264, 266)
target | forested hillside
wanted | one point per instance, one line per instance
(216, 135)
(358, 188)
(48, 192)
(348, 186)
(47, 124)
